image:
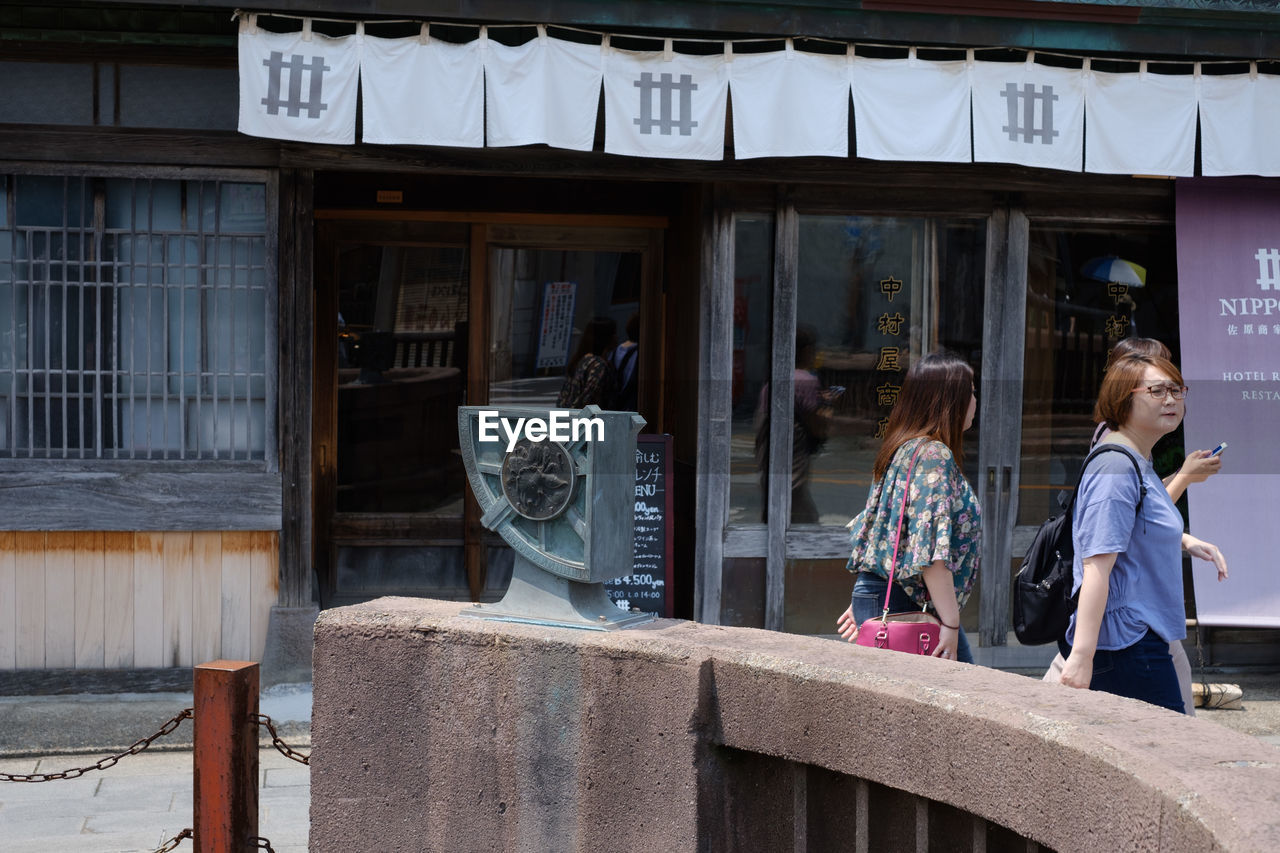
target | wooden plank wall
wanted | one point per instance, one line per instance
(118, 600)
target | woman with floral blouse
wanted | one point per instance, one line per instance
(938, 555)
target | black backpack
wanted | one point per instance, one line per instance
(1042, 599)
(626, 398)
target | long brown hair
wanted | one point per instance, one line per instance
(933, 402)
(598, 337)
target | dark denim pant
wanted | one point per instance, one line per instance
(1141, 671)
(868, 603)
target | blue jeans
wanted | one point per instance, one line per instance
(1141, 671)
(868, 603)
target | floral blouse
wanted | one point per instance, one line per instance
(593, 381)
(943, 522)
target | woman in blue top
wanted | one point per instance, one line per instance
(1128, 564)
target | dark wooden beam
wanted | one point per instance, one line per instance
(83, 146)
(295, 403)
(136, 498)
(1193, 28)
(786, 270)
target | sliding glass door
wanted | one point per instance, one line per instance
(840, 304)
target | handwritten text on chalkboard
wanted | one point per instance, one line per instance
(646, 587)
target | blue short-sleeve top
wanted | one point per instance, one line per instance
(1145, 587)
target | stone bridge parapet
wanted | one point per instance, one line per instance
(433, 732)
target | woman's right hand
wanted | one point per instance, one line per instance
(1077, 671)
(1200, 466)
(846, 625)
(948, 642)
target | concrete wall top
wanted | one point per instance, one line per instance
(1053, 764)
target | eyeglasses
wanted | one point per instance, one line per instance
(1161, 390)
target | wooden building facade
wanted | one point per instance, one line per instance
(230, 366)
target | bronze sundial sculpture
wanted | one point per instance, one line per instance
(566, 505)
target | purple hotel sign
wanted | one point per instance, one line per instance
(1229, 313)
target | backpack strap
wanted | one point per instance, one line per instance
(1109, 448)
(628, 356)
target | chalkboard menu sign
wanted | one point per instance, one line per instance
(648, 587)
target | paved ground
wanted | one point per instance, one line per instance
(138, 805)
(1261, 713)
(146, 799)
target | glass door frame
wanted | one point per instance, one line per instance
(1000, 443)
(570, 232)
(777, 541)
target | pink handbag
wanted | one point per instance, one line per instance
(915, 632)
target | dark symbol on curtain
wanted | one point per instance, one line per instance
(664, 86)
(294, 103)
(1028, 97)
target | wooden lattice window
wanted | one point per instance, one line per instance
(137, 319)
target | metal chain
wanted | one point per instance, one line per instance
(282, 747)
(101, 763)
(259, 843)
(172, 843)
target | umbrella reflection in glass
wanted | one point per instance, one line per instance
(1113, 270)
(1119, 275)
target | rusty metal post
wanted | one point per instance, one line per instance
(225, 800)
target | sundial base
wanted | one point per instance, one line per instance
(538, 597)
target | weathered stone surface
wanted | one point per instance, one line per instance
(432, 732)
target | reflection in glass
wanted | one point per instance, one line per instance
(550, 309)
(410, 570)
(817, 590)
(874, 293)
(752, 320)
(1073, 320)
(402, 375)
(860, 282)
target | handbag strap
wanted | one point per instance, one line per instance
(902, 517)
